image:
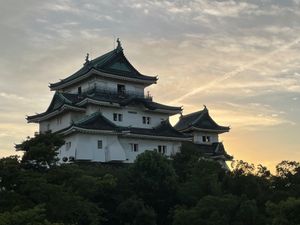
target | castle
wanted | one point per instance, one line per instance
(105, 116)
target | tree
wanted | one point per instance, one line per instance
(286, 168)
(210, 210)
(287, 182)
(185, 160)
(205, 179)
(242, 168)
(286, 212)
(9, 172)
(263, 171)
(247, 214)
(33, 216)
(154, 180)
(133, 211)
(41, 151)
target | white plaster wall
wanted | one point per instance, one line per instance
(198, 137)
(114, 148)
(147, 144)
(90, 109)
(85, 147)
(129, 118)
(105, 85)
(71, 152)
(65, 121)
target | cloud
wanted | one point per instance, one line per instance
(62, 6)
(250, 116)
(11, 96)
(226, 8)
(239, 70)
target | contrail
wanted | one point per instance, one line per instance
(236, 71)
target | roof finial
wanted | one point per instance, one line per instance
(87, 60)
(119, 47)
(204, 106)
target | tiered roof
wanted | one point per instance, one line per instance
(62, 102)
(215, 150)
(59, 104)
(113, 64)
(97, 123)
(200, 121)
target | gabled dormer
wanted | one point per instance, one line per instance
(203, 128)
(111, 72)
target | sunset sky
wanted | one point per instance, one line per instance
(239, 58)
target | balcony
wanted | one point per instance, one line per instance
(113, 93)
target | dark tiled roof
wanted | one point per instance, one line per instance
(214, 150)
(149, 104)
(126, 100)
(201, 120)
(74, 98)
(57, 102)
(113, 62)
(61, 99)
(96, 121)
(164, 129)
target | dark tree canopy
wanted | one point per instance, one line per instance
(188, 189)
(41, 150)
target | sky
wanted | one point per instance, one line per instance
(239, 58)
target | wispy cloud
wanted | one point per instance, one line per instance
(251, 116)
(11, 96)
(237, 71)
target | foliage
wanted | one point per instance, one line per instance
(287, 168)
(188, 189)
(286, 212)
(34, 216)
(134, 211)
(41, 150)
(155, 182)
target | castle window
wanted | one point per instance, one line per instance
(146, 120)
(134, 147)
(118, 117)
(121, 89)
(58, 120)
(162, 149)
(68, 145)
(115, 116)
(100, 144)
(79, 90)
(206, 139)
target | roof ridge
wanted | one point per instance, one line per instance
(94, 115)
(63, 97)
(88, 117)
(56, 95)
(200, 116)
(166, 123)
(104, 58)
(193, 113)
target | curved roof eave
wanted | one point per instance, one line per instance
(94, 71)
(226, 129)
(47, 115)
